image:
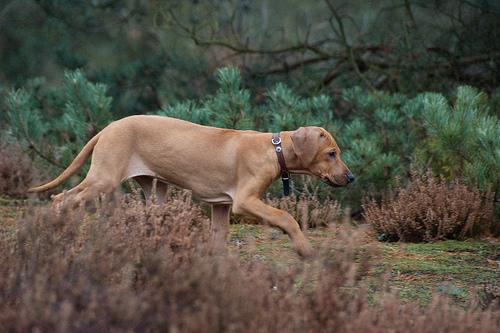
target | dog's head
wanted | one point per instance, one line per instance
(319, 155)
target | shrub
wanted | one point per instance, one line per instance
(128, 267)
(17, 171)
(56, 123)
(430, 209)
(461, 140)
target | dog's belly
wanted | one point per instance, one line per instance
(210, 195)
(222, 199)
(137, 167)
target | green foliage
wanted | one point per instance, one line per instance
(463, 140)
(391, 133)
(377, 142)
(83, 108)
(86, 105)
(188, 110)
(86, 111)
(287, 111)
(24, 117)
(230, 106)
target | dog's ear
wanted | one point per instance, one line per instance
(306, 143)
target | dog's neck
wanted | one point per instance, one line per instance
(292, 161)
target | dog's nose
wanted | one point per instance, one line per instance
(350, 177)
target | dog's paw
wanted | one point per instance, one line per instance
(305, 250)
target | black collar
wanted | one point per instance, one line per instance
(285, 175)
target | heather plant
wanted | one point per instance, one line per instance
(430, 209)
(128, 266)
(17, 170)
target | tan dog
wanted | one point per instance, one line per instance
(221, 166)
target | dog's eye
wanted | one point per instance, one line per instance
(332, 154)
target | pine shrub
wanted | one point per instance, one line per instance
(430, 209)
(56, 123)
(462, 139)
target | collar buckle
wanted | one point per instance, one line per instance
(276, 140)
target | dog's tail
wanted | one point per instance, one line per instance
(73, 167)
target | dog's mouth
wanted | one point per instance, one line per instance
(328, 181)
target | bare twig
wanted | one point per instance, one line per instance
(346, 57)
(340, 30)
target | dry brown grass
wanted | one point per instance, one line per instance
(430, 209)
(128, 267)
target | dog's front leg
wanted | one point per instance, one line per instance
(253, 206)
(220, 225)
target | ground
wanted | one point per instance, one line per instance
(458, 269)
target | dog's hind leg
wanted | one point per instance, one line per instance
(152, 188)
(58, 199)
(107, 170)
(94, 188)
(84, 192)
